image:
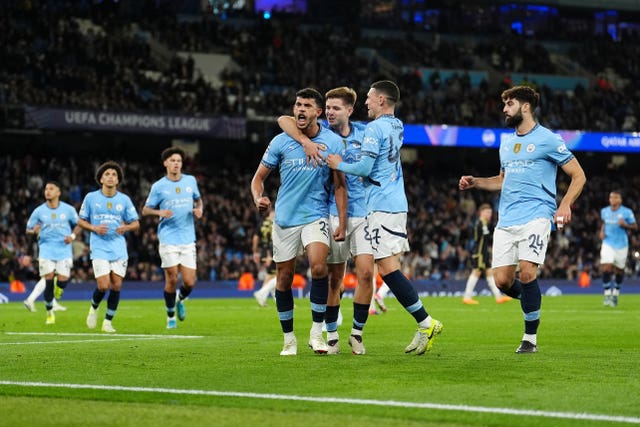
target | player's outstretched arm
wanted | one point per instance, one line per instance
(493, 183)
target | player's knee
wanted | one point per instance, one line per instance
(285, 280)
(365, 277)
(503, 285)
(188, 280)
(319, 270)
(503, 281)
(335, 283)
(527, 277)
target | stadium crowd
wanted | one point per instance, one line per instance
(62, 55)
(70, 54)
(440, 220)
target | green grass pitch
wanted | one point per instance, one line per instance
(221, 367)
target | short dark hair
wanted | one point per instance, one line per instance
(388, 89)
(109, 165)
(522, 94)
(54, 182)
(168, 152)
(311, 93)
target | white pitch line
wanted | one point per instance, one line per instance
(89, 334)
(105, 339)
(368, 402)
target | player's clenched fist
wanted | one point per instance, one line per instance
(466, 181)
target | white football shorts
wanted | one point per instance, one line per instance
(354, 244)
(290, 242)
(387, 233)
(527, 242)
(62, 267)
(617, 257)
(172, 255)
(102, 267)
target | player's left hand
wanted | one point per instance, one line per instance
(562, 216)
(312, 151)
(197, 212)
(333, 160)
(263, 204)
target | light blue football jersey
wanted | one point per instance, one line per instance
(55, 225)
(113, 211)
(355, 189)
(530, 164)
(384, 187)
(614, 235)
(177, 196)
(303, 196)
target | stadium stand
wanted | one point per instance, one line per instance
(114, 56)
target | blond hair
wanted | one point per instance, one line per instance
(348, 95)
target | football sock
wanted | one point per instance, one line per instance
(471, 284)
(383, 290)
(360, 315)
(618, 280)
(38, 289)
(48, 294)
(532, 338)
(319, 295)
(98, 295)
(112, 304)
(491, 282)
(270, 286)
(331, 317)
(284, 304)
(515, 290)
(185, 291)
(426, 323)
(406, 294)
(530, 302)
(372, 305)
(170, 303)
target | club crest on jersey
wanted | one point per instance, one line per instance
(63, 216)
(516, 148)
(178, 190)
(109, 205)
(531, 148)
(189, 190)
(119, 207)
(322, 146)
